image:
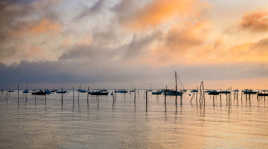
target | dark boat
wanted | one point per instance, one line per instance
(213, 92)
(82, 91)
(40, 92)
(121, 91)
(53, 90)
(26, 91)
(236, 90)
(61, 91)
(132, 91)
(224, 92)
(169, 92)
(194, 91)
(158, 92)
(99, 92)
(262, 94)
(10, 91)
(247, 91)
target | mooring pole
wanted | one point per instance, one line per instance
(78, 100)
(196, 97)
(78, 97)
(61, 96)
(45, 98)
(213, 100)
(181, 98)
(87, 95)
(73, 96)
(35, 99)
(165, 96)
(146, 100)
(176, 87)
(113, 98)
(18, 94)
(135, 97)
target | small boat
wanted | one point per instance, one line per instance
(236, 90)
(194, 91)
(169, 92)
(121, 91)
(40, 92)
(10, 91)
(61, 91)
(213, 92)
(132, 91)
(82, 91)
(224, 92)
(158, 92)
(247, 91)
(262, 94)
(99, 92)
(26, 91)
(53, 90)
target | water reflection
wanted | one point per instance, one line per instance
(117, 122)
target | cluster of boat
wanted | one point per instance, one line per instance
(168, 92)
(63, 91)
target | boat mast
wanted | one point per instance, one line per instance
(176, 87)
(176, 82)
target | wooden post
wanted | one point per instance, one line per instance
(165, 93)
(241, 100)
(135, 97)
(73, 96)
(181, 98)
(26, 98)
(18, 94)
(35, 99)
(226, 100)
(61, 96)
(220, 100)
(78, 100)
(196, 97)
(249, 99)
(78, 97)
(213, 100)
(87, 95)
(176, 87)
(146, 100)
(113, 98)
(45, 98)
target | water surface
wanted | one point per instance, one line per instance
(103, 125)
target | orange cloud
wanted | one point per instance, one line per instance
(161, 11)
(44, 26)
(41, 27)
(180, 44)
(256, 21)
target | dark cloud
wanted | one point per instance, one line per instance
(116, 75)
(95, 9)
(139, 46)
(91, 53)
(126, 8)
(100, 47)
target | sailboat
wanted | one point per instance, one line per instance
(170, 92)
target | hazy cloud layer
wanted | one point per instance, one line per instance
(125, 42)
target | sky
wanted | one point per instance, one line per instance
(134, 44)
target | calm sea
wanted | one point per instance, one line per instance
(124, 125)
